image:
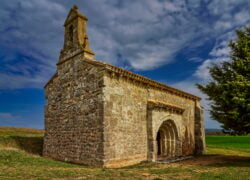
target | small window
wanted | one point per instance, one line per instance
(71, 34)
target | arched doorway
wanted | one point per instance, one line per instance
(167, 141)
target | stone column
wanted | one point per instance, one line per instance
(200, 144)
(168, 142)
(165, 143)
(151, 141)
(154, 153)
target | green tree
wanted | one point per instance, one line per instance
(229, 87)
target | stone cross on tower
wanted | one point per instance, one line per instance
(75, 36)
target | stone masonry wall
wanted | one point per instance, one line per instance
(155, 120)
(125, 120)
(200, 146)
(74, 114)
(187, 120)
(125, 131)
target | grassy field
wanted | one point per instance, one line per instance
(227, 158)
(230, 145)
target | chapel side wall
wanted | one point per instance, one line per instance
(185, 122)
(125, 130)
(74, 114)
(126, 120)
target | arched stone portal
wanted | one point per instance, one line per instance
(167, 141)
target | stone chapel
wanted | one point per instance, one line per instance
(102, 115)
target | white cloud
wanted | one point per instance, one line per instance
(242, 17)
(14, 81)
(29, 29)
(220, 53)
(189, 86)
(144, 34)
(8, 117)
(195, 59)
(141, 35)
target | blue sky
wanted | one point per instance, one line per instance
(171, 41)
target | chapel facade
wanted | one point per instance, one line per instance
(102, 115)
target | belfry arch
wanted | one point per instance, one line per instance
(167, 141)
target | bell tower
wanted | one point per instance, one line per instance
(75, 36)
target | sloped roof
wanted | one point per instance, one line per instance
(143, 79)
(73, 13)
(136, 77)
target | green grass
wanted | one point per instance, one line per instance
(230, 145)
(236, 142)
(20, 159)
(29, 140)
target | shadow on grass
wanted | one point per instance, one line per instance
(218, 160)
(32, 145)
(230, 161)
